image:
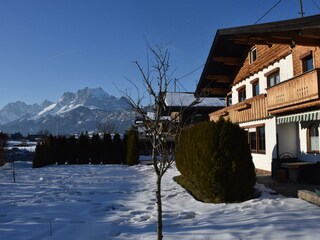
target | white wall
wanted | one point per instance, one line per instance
(303, 143)
(263, 161)
(286, 72)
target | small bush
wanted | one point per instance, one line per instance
(215, 157)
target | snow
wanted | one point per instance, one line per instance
(117, 202)
(183, 99)
(29, 146)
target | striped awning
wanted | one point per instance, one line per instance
(299, 117)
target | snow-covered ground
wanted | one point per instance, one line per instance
(117, 202)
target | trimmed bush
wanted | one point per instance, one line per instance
(116, 153)
(215, 157)
(107, 149)
(132, 148)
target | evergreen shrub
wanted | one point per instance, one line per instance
(132, 148)
(215, 157)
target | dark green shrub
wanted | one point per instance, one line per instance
(95, 149)
(3, 144)
(39, 156)
(106, 148)
(72, 154)
(83, 149)
(62, 148)
(116, 149)
(215, 157)
(132, 148)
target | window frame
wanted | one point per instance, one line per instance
(253, 55)
(305, 60)
(309, 150)
(254, 83)
(254, 131)
(242, 93)
(271, 74)
(229, 99)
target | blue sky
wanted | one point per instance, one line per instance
(48, 47)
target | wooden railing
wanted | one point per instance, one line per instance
(297, 90)
(248, 110)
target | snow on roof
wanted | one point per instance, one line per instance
(184, 99)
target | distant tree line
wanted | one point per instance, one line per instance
(3, 144)
(85, 150)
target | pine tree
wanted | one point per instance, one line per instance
(95, 149)
(106, 149)
(72, 155)
(3, 144)
(84, 151)
(116, 149)
(132, 148)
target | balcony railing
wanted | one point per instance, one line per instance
(248, 110)
(301, 89)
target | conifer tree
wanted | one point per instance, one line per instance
(72, 150)
(84, 151)
(3, 144)
(106, 149)
(132, 148)
(61, 150)
(116, 149)
(39, 158)
(95, 149)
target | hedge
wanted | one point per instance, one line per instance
(215, 157)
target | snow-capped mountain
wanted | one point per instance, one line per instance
(75, 112)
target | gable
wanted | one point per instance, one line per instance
(227, 61)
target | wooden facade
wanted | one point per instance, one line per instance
(270, 72)
(301, 89)
(248, 110)
(266, 56)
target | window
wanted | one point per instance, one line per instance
(307, 63)
(273, 77)
(255, 87)
(229, 99)
(261, 139)
(253, 55)
(253, 141)
(257, 139)
(313, 138)
(241, 94)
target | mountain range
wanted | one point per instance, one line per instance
(83, 111)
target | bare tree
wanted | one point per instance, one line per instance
(107, 127)
(161, 128)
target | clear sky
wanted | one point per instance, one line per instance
(48, 47)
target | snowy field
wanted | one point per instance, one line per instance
(117, 202)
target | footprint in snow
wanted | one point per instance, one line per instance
(114, 233)
(187, 215)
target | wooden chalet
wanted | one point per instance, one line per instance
(189, 108)
(269, 75)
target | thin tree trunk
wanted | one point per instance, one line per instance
(159, 206)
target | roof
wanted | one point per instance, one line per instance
(230, 48)
(184, 99)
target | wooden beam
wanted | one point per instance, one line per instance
(276, 39)
(294, 108)
(216, 91)
(242, 106)
(219, 78)
(228, 60)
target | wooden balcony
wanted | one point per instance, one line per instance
(248, 110)
(295, 92)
